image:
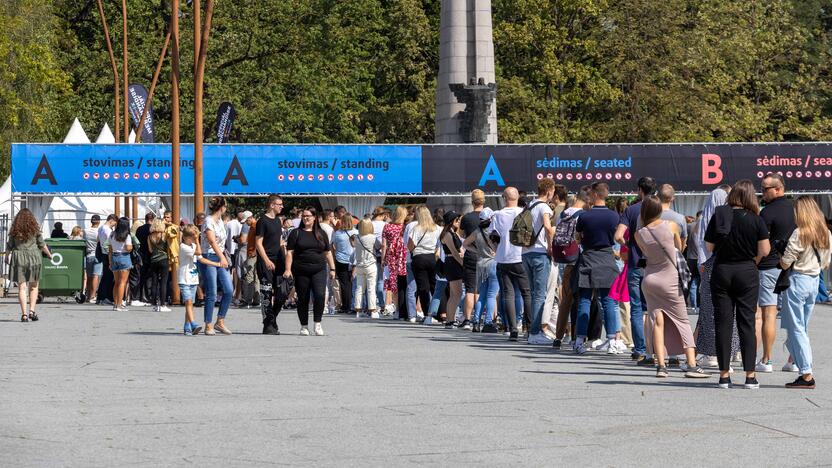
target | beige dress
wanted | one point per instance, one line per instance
(661, 288)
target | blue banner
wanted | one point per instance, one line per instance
(238, 169)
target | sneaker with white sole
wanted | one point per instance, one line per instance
(790, 367)
(710, 361)
(163, 309)
(596, 344)
(138, 304)
(389, 309)
(319, 331)
(622, 347)
(304, 331)
(412, 320)
(540, 339)
(580, 346)
(374, 315)
(766, 367)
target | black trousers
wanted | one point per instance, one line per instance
(510, 275)
(310, 280)
(734, 291)
(401, 296)
(105, 287)
(271, 297)
(159, 278)
(342, 272)
(424, 272)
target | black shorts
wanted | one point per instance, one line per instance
(469, 274)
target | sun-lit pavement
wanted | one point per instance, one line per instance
(86, 386)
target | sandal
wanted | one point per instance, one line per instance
(33, 316)
(24, 318)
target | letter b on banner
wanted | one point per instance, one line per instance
(711, 169)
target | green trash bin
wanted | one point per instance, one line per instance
(62, 275)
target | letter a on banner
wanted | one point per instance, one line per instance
(711, 169)
(235, 172)
(44, 171)
(491, 172)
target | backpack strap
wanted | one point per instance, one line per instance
(537, 234)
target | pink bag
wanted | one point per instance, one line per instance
(620, 291)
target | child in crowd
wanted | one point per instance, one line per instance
(189, 254)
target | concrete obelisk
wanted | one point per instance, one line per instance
(466, 50)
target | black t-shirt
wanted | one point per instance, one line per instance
(142, 233)
(740, 245)
(306, 249)
(469, 224)
(271, 230)
(779, 218)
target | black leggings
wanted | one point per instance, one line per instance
(509, 276)
(424, 272)
(734, 290)
(310, 280)
(401, 296)
(342, 272)
(159, 279)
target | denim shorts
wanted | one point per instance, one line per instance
(768, 278)
(121, 262)
(93, 266)
(187, 292)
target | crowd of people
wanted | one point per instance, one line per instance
(559, 270)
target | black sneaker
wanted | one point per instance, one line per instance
(199, 303)
(476, 328)
(636, 356)
(513, 336)
(270, 328)
(466, 325)
(751, 383)
(449, 325)
(724, 382)
(489, 328)
(800, 383)
(557, 343)
(646, 361)
(673, 362)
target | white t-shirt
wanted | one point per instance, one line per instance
(233, 228)
(104, 237)
(120, 247)
(218, 228)
(329, 230)
(406, 236)
(187, 273)
(426, 242)
(540, 209)
(378, 227)
(501, 222)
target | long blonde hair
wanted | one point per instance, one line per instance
(156, 227)
(424, 219)
(812, 225)
(401, 215)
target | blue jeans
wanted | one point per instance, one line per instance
(794, 318)
(441, 284)
(214, 275)
(411, 292)
(487, 301)
(637, 309)
(380, 285)
(537, 267)
(610, 312)
(823, 293)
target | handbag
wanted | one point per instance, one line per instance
(783, 280)
(681, 265)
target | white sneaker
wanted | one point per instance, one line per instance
(621, 347)
(605, 346)
(389, 309)
(319, 331)
(304, 331)
(135, 303)
(790, 367)
(596, 344)
(540, 339)
(580, 346)
(710, 361)
(412, 320)
(164, 309)
(420, 315)
(766, 367)
(374, 315)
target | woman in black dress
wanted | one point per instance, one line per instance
(452, 246)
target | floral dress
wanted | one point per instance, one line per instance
(396, 257)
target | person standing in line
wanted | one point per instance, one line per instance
(104, 295)
(667, 195)
(597, 270)
(271, 264)
(691, 256)
(213, 240)
(536, 259)
(410, 312)
(567, 308)
(94, 266)
(807, 254)
(307, 254)
(469, 224)
(778, 214)
(25, 247)
(145, 283)
(58, 231)
(486, 307)
(454, 266)
(77, 233)
(635, 273)
(510, 271)
(241, 256)
(121, 244)
(380, 218)
(659, 240)
(394, 257)
(738, 237)
(620, 291)
(551, 304)
(234, 227)
(326, 218)
(423, 241)
(159, 265)
(365, 270)
(188, 277)
(344, 251)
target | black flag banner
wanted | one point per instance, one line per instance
(225, 120)
(138, 99)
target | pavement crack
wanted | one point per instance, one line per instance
(768, 427)
(812, 402)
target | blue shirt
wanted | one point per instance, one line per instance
(343, 249)
(597, 227)
(631, 218)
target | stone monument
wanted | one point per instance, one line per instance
(466, 51)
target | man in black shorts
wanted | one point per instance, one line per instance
(270, 263)
(469, 224)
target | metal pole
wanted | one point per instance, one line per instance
(152, 88)
(116, 91)
(199, 78)
(174, 117)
